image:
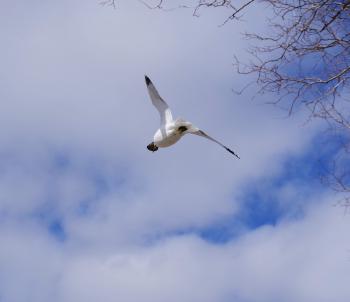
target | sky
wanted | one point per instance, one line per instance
(87, 213)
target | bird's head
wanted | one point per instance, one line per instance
(152, 147)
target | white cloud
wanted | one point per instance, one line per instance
(73, 88)
(306, 260)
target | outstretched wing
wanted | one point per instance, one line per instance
(159, 103)
(203, 134)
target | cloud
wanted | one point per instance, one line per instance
(87, 213)
(291, 261)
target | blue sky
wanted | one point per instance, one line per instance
(87, 213)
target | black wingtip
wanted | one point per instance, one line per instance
(229, 150)
(148, 81)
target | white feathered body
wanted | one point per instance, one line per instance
(172, 132)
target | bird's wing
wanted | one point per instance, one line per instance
(196, 131)
(159, 103)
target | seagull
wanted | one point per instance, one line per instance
(171, 130)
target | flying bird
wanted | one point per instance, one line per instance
(171, 130)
